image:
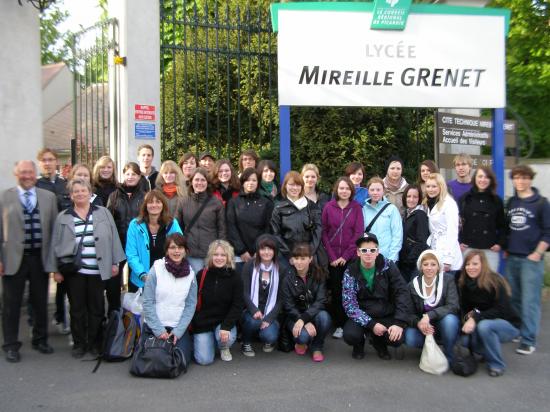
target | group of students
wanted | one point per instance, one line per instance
(215, 248)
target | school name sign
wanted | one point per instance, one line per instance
(328, 55)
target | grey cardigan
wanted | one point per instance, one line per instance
(108, 248)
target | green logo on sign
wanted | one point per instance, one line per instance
(390, 14)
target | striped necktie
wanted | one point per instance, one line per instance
(28, 203)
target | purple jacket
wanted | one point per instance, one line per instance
(343, 243)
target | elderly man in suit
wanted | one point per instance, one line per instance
(27, 215)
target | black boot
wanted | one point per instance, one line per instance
(358, 351)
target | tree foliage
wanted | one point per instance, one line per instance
(528, 68)
(53, 43)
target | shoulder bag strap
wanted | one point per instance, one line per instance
(371, 224)
(199, 293)
(79, 249)
(197, 215)
(341, 226)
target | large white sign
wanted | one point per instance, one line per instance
(440, 60)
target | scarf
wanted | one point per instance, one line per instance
(433, 298)
(394, 187)
(300, 203)
(432, 201)
(170, 190)
(226, 193)
(179, 270)
(268, 186)
(105, 182)
(273, 285)
(130, 189)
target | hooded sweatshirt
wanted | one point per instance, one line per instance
(528, 223)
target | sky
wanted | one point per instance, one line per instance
(82, 14)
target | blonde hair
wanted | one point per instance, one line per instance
(167, 167)
(80, 166)
(312, 167)
(375, 179)
(228, 250)
(463, 158)
(102, 162)
(443, 192)
(429, 255)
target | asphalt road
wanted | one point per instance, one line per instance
(276, 382)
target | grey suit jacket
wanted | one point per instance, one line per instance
(12, 228)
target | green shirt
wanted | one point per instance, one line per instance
(368, 275)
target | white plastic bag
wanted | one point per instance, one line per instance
(433, 360)
(133, 302)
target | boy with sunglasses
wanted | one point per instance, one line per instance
(376, 300)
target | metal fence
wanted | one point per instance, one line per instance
(218, 78)
(91, 48)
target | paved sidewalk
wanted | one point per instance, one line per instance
(275, 382)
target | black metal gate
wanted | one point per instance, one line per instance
(92, 48)
(218, 78)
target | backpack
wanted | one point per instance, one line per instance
(120, 334)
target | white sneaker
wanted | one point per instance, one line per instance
(225, 355)
(525, 349)
(338, 333)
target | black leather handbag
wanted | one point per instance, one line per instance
(67, 265)
(464, 363)
(158, 358)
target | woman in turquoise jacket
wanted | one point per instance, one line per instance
(146, 237)
(387, 227)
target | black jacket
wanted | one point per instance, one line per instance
(290, 225)
(322, 199)
(124, 209)
(302, 300)
(390, 295)
(416, 231)
(59, 188)
(482, 218)
(489, 305)
(104, 191)
(248, 216)
(448, 304)
(247, 273)
(221, 299)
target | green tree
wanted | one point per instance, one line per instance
(54, 43)
(528, 69)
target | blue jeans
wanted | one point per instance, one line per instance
(487, 337)
(251, 327)
(196, 263)
(526, 279)
(322, 323)
(206, 343)
(446, 330)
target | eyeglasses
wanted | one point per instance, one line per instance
(365, 250)
(175, 247)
